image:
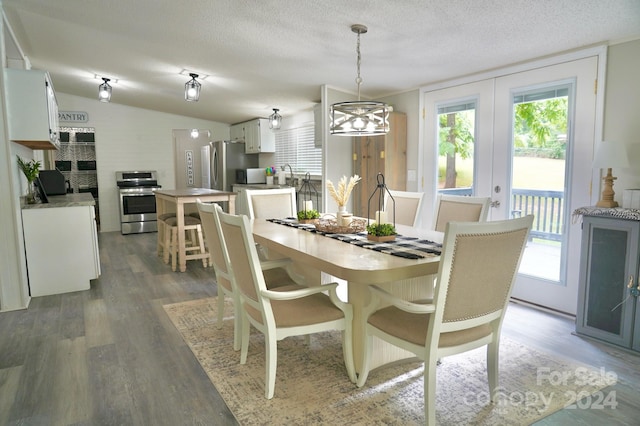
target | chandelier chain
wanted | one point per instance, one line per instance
(358, 78)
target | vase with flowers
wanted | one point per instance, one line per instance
(342, 193)
(30, 169)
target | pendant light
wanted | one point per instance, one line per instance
(359, 118)
(275, 120)
(192, 89)
(104, 91)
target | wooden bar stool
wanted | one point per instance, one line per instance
(162, 236)
(195, 248)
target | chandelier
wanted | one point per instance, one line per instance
(359, 118)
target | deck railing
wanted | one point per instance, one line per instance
(546, 206)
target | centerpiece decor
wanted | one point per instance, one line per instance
(341, 194)
(30, 170)
(381, 230)
(306, 212)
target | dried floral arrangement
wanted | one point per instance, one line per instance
(343, 192)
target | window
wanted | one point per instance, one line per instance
(296, 147)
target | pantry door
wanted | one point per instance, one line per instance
(549, 272)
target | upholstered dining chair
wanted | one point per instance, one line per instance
(276, 203)
(274, 271)
(407, 207)
(459, 208)
(281, 312)
(478, 266)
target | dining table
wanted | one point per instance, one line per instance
(357, 268)
(176, 200)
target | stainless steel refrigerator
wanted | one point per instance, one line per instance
(221, 160)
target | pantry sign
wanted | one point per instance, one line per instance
(73, 116)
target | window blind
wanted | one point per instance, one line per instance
(296, 147)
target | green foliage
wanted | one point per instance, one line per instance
(29, 168)
(308, 214)
(381, 230)
(540, 124)
(461, 134)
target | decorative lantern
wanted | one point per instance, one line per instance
(305, 193)
(377, 231)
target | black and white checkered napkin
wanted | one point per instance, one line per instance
(402, 246)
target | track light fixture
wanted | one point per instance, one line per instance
(104, 90)
(275, 120)
(192, 89)
(359, 118)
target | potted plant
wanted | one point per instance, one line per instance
(308, 216)
(30, 170)
(341, 194)
(381, 232)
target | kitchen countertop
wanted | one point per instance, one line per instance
(68, 200)
(259, 186)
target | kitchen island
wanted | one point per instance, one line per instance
(61, 244)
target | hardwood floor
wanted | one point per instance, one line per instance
(111, 356)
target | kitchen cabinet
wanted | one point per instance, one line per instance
(61, 244)
(607, 308)
(386, 154)
(257, 136)
(32, 109)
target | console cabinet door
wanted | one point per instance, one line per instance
(609, 259)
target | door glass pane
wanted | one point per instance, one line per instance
(540, 128)
(456, 138)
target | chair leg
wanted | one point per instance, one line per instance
(492, 368)
(271, 364)
(167, 244)
(244, 349)
(430, 391)
(201, 244)
(174, 248)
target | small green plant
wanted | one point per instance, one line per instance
(381, 230)
(308, 214)
(29, 168)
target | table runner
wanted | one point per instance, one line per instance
(402, 246)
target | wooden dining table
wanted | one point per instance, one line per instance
(175, 200)
(360, 268)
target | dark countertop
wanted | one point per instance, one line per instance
(68, 200)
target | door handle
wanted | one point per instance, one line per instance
(495, 203)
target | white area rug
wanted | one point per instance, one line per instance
(312, 386)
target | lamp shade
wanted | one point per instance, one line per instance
(611, 155)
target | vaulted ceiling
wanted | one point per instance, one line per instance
(266, 54)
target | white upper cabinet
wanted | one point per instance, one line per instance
(257, 136)
(32, 109)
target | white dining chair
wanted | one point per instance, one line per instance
(274, 271)
(276, 203)
(281, 312)
(459, 208)
(478, 266)
(407, 207)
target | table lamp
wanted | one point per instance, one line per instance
(609, 155)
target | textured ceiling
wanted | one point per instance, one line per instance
(269, 54)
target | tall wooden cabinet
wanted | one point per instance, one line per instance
(386, 154)
(607, 308)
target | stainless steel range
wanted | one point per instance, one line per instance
(137, 201)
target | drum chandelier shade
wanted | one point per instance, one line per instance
(104, 91)
(192, 89)
(359, 118)
(275, 120)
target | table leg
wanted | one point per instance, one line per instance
(159, 211)
(232, 205)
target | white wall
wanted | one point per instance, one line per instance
(129, 138)
(622, 104)
(408, 102)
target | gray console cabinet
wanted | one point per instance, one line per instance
(607, 309)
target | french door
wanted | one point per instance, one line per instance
(518, 175)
